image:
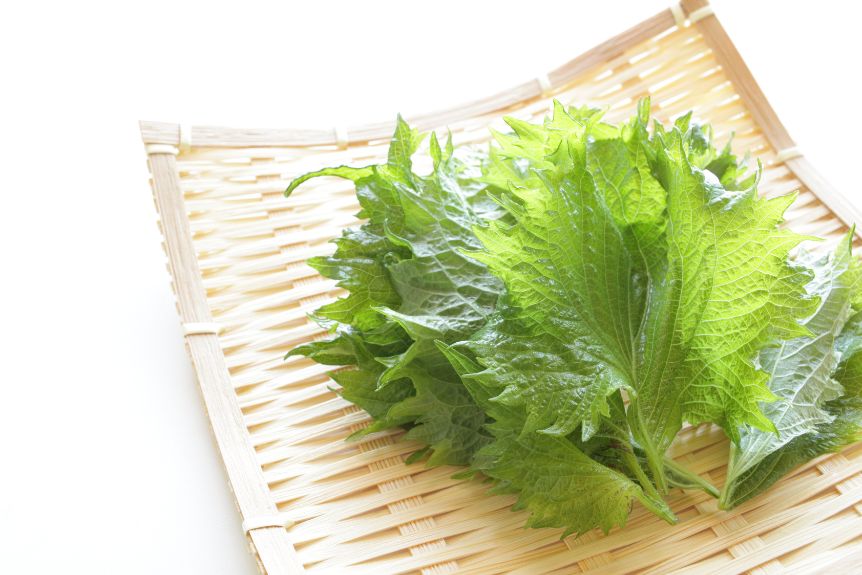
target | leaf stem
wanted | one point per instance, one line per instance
(656, 466)
(655, 461)
(690, 479)
(724, 497)
(659, 507)
(650, 498)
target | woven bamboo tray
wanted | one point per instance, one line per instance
(312, 503)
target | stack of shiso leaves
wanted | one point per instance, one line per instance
(549, 310)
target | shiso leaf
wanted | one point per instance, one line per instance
(556, 481)
(631, 267)
(814, 413)
(408, 278)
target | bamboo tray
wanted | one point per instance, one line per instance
(312, 503)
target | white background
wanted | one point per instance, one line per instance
(106, 461)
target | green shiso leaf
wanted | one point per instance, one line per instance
(554, 478)
(548, 311)
(408, 280)
(630, 267)
(814, 413)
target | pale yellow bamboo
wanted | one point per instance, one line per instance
(245, 477)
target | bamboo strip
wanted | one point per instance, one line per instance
(244, 475)
(846, 559)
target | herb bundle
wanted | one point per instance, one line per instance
(548, 311)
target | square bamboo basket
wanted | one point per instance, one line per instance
(312, 503)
